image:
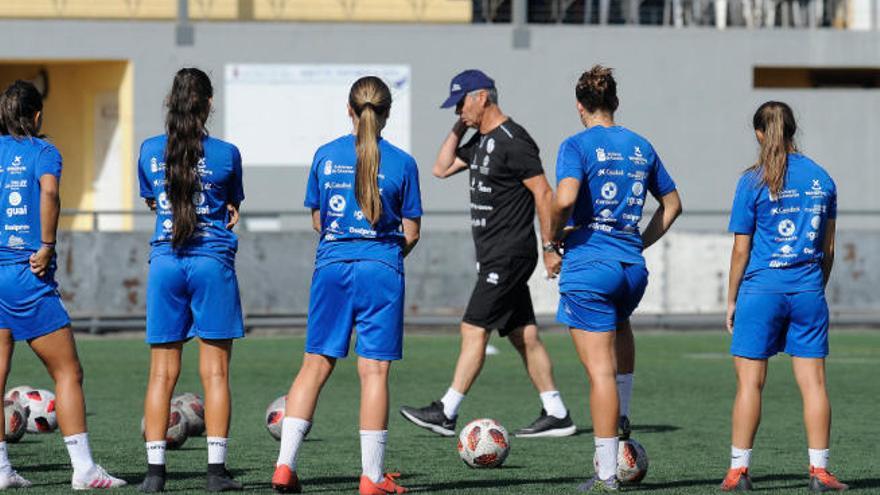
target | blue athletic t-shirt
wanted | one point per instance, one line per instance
(220, 184)
(788, 230)
(22, 162)
(345, 234)
(616, 168)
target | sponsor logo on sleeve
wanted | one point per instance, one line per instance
(493, 278)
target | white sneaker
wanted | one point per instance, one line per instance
(12, 479)
(96, 478)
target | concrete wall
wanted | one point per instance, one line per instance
(689, 90)
(105, 274)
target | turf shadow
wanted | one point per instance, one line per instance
(637, 429)
(475, 484)
(42, 468)
(864, 483)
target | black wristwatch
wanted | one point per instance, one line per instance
(551, 247)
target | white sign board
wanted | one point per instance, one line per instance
(278, 115)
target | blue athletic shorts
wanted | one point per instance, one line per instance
(30, 306)
(366, 295)
(767, 323)
(192, 296)
(607, 292)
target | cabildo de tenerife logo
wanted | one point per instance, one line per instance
(156, 165)
(335, 168)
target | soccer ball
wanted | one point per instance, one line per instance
(19, 394)
(275, 415)
(632, 461)
(16, 420)
(176, 434)
(483, 443)
(193, 408)
(41, 411)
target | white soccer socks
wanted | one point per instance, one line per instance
(740, 458)
(451, 402)
(553, 405)
(156, 452)
(293, 432)
(80, 453)
(8, 477)
(624, 391)
(606, 457)
(217, 450)
(819, 458)
(373, 454)
(5, 465)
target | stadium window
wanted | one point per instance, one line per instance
(816, 77)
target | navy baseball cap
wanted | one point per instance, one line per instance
(464, 83)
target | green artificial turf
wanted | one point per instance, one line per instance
(681, 408)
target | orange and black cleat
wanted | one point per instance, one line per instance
(384, 487)
(823, 481)
(285, 480)
(737, 480)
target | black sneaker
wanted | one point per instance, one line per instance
(548, 426)
(220, 480)
(430, 418)
(624, 427)
(154, 481)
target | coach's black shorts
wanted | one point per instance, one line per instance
(501, 299)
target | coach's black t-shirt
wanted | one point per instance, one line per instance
(502, 208)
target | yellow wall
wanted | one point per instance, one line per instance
(69, 122)
(118, 9)
(267, 10)
(365, 10)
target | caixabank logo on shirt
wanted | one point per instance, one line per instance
(15, 206)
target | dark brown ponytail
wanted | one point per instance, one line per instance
(776, 122)
(188, 109)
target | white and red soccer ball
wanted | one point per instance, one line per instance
(193, 408)
(40, 411)
(275, 416)
(483, 443)
(16, 420)
(176, 433)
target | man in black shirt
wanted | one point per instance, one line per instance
(506, 183)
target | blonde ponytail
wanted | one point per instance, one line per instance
(370, 100)
(776, 122)
(367, 182)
